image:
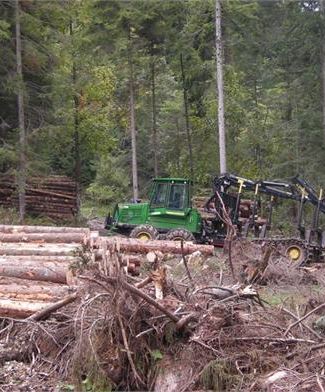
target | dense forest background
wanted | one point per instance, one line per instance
(80, 58)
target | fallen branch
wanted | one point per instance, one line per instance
(128, 351)
(46, 312)
(185, 264)
(143, 282)
(319, 383)
(276, 340)
(303, 318)
(134, 245)
(137, 292)
(185, 320)
(303, 324)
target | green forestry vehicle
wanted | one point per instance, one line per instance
(169, 214)
(169, 211)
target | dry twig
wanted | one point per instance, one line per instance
(303, 318)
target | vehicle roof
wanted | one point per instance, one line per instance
(173, 179)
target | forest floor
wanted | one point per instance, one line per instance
(245, 341)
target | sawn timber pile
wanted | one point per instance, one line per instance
(53, 196)
(39, 264)
(35, 263)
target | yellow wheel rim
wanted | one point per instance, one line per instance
(144, 236)
(294, 253)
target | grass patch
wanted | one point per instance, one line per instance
(10, 216)
(90, 210)
(275, 299)
(219, 375)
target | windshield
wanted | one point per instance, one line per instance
(177, 196)
(159, 197)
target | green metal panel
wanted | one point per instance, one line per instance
(164, 218)
(161, 218)
(160, 212)
(133, 214)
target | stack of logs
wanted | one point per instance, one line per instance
(36, 263)
(199, 202)
(53, 196)
(34, 266)
(132, 250)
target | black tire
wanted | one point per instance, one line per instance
(180, 234)
(144, 232)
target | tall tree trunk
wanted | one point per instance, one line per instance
(322, 9)
(76, 139)
(220, 90)
(154, 116)
(178, 144)
(187, 120)
(132, 124)
(21, 120)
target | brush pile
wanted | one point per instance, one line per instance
(185, 323)
(53, 196)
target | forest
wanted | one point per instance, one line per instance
(93, 73)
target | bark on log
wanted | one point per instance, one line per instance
(126, 258)
(20, 309)
(23, 249)
(63, 216)
(41, 205)
(42, 229)
(48, 310)
(138, 246)
(46, 272)
(131, 259)
(50, 193)
(46, 199)
(56, 189)
(26, 290)
(43, 237)
(39, 259)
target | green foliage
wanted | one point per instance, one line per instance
(76, 68)
(156, 355)
(219, 375)
(4, 30)
(95, 385)
(111, 182)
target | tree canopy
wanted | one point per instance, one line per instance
(76, 57)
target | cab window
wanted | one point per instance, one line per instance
(159, 197)
(177, 196)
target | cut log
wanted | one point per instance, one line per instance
(53, 215)
(50, 193)
(54, 206)
(51, 308)
(39, 259)
(20, 309)
(49, 200)
(131, 259)
(26, 290)
(34, 261)
(138, 246)
(25, 249)
(47, 272)
(9, 229)
(43, 237)
(92, 239)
